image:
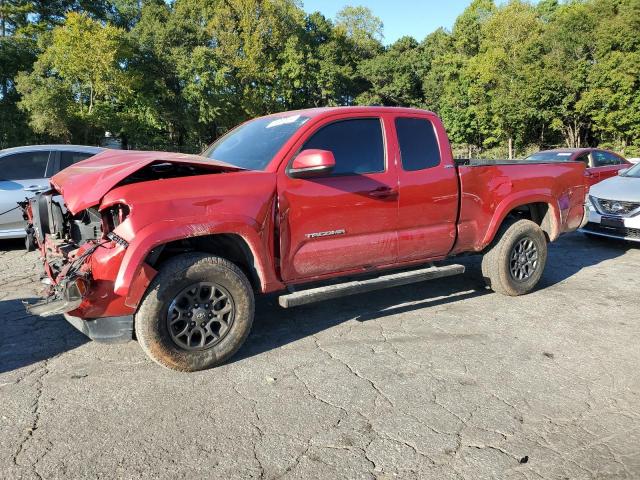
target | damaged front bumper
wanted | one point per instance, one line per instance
(105, 330)
(81, 264)
(55, 305)
(69, 298)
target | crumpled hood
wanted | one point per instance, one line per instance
(620, 188)
(84, 184)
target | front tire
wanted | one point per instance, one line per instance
(196, 313)
(515, 261)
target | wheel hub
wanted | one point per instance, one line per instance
(200, 316)
(523, 260)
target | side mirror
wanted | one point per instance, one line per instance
(312, 163)
(622, 171)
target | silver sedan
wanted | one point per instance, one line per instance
(25, 171)
(614, 207)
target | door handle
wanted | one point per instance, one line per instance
(35, 188)
(384, 192)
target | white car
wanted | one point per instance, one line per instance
(614, 207)
(634, 160)
(25, 171)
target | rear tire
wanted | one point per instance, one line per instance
(514, 262)
(196, 313)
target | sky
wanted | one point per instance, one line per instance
(417, 18)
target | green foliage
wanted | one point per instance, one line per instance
(363, 28)
(175, 74)
(76, 82)
(505, 70)
(393, 76)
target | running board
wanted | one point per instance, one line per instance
(312, 295)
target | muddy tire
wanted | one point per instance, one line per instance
(197, 312)
(514, 262)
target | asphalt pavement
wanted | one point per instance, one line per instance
(439, 380)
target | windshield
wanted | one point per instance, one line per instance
(633, 171)
(254, 144)
(550, 156)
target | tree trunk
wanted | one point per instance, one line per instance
(510, 148)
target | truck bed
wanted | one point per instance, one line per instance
(490, 189)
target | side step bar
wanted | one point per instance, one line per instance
(312, 295)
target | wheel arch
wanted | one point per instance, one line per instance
(238, 239)
(230, 246)
(542, 210)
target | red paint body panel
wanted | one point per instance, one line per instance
(489, 193)
(428, 203)
(301, 230)
(166, 210)
(332, 204)
(85, 183)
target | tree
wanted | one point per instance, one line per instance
(329, 66)
(468, 28)
(177, 77)
(393, 76)
(16, 53)
(78, 84)
(363, 28)
(568, 41)
(179, 72)
(613, 95)
(252, 40)
(504, 68)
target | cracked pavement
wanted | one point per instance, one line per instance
(441, 380)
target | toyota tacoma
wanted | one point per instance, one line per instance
(170, 249)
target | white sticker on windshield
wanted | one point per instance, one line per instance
(564, 154)
(284, 121)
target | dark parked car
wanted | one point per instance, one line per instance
(25, 171)
(601, 164)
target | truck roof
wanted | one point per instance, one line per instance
(323, 111)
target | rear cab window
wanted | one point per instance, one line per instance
(418, 143)
(24, 165)
(357, 145)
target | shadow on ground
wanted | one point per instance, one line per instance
(574, 252)
(27, 339)
(275, 327)
(12, 244)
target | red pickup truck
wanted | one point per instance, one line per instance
(174, 247)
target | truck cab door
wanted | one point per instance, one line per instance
(428, 203)
(344, 221)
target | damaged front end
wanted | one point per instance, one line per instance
(84, 224)
(77, 253)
